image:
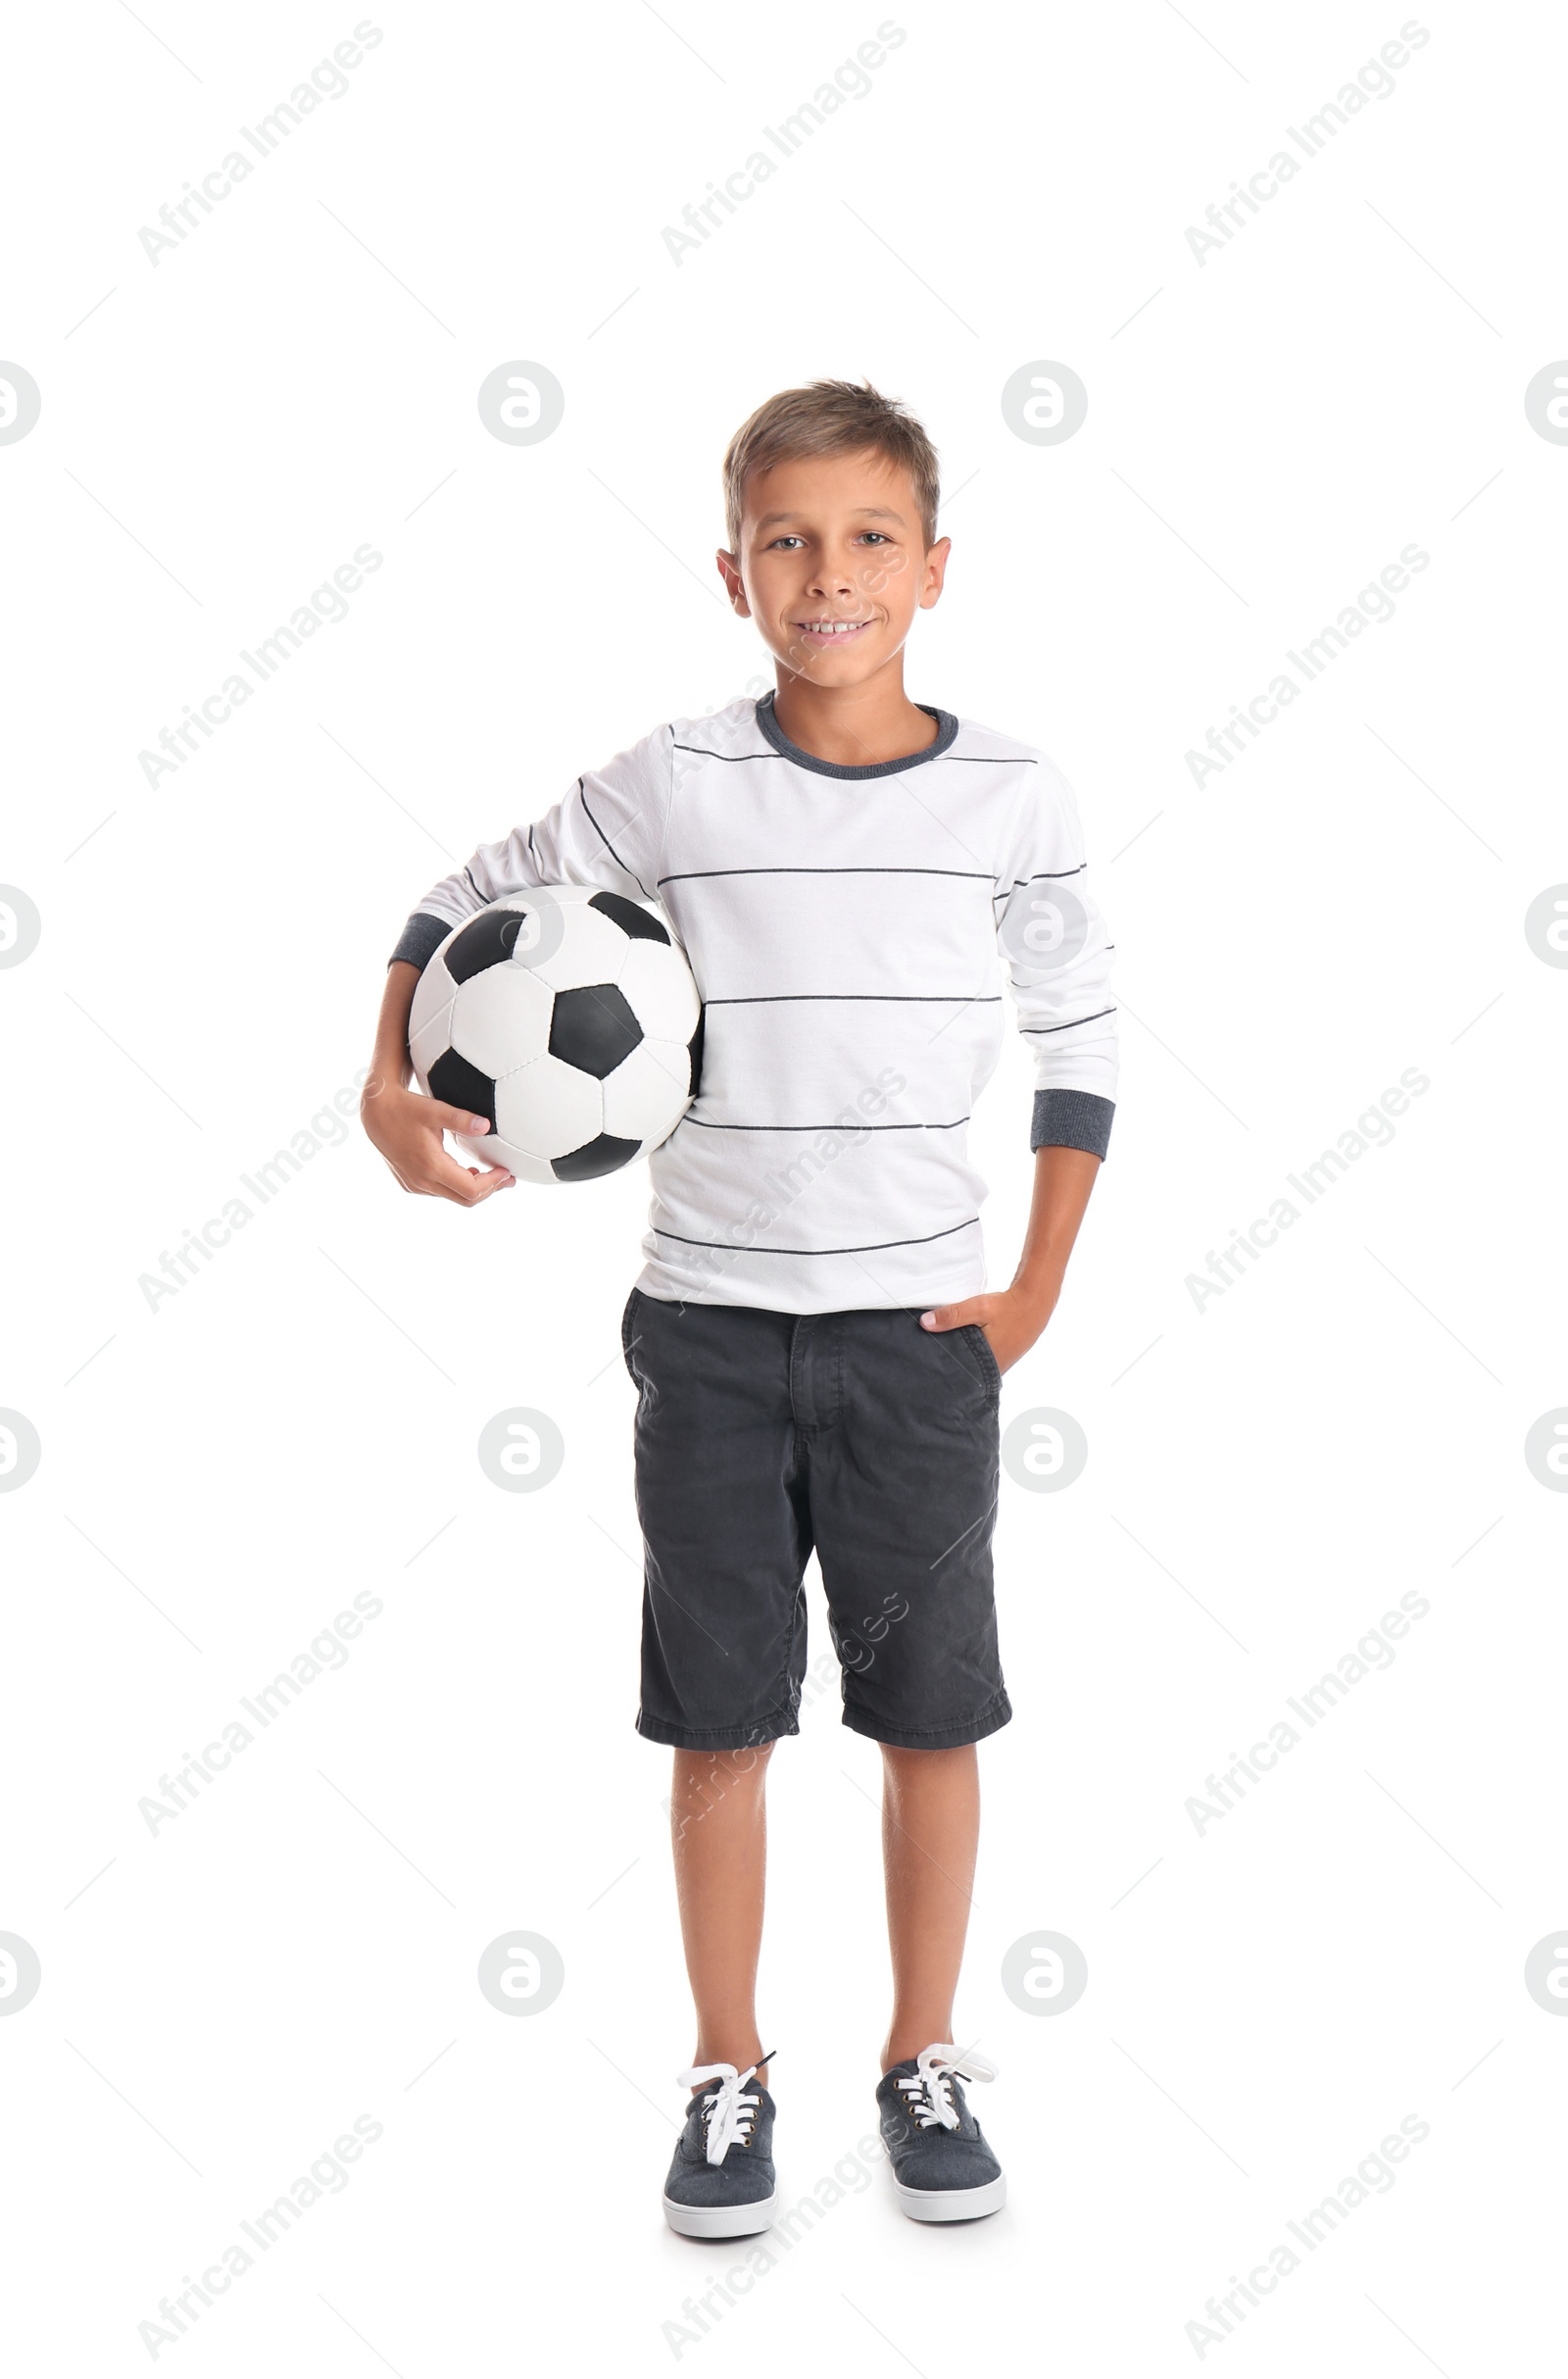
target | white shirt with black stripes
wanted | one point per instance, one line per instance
(846, 928)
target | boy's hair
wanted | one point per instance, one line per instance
(830, 416)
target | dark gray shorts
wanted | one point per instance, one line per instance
(759, 1435)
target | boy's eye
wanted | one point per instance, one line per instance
(790, 537)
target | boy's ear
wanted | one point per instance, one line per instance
(936, 565)
(729, 569)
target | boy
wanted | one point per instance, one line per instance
(817, 1360)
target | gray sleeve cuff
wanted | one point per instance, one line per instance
(421, 937)
(1072, 1119)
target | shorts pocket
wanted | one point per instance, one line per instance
(628, 1332)
(987, 1360)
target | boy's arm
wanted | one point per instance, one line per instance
(1013, 1319)
(1057, 950)
(607, 831)
(408, 1128)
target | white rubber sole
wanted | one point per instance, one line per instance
(952, 2204)
(721, 2221)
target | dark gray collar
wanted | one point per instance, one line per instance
(946, 729)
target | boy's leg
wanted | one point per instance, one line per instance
(930, 1831)
(718, 1831)
(726, 1527)
(904, 1493)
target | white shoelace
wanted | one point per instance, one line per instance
(928, 2088)
(727, 2111)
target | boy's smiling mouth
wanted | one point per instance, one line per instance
(829, 630)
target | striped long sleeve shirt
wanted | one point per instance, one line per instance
(849, 930)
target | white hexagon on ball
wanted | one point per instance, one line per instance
(649, 1092)
(516, 1161)
(658, 982)
(547, 1109)
(591, 949)
(501, 1019)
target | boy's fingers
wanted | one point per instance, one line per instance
(459, 1120)
(480, 1181)
(465, 1186)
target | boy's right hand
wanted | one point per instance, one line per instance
(407, 1128)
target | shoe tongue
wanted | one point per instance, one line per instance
(706, 2090)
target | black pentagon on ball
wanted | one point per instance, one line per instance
(630, 918)
(593, 1029)
(485, 941)
(460, 1084)
(606, 1155)
(694, 1051)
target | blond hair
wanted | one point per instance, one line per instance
(830, 416)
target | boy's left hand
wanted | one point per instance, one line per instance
(1010, 1319)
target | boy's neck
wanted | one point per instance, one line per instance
(853, 726)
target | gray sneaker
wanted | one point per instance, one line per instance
(722, 2182)
(943, 2170)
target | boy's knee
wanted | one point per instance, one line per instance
(706, 1776)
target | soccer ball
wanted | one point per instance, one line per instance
(572, 1020)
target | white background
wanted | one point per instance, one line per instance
(1266, 430)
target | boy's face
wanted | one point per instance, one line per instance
(828, 539)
